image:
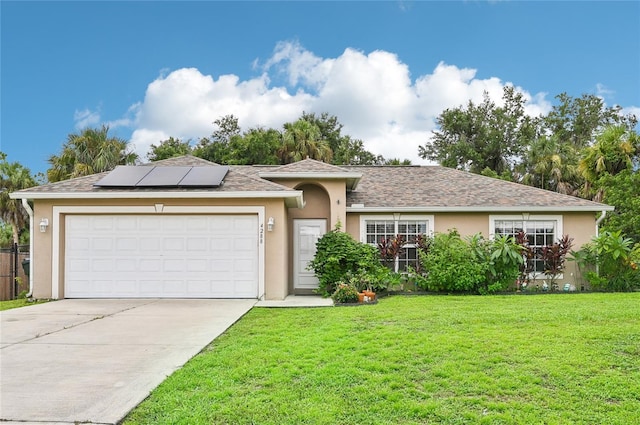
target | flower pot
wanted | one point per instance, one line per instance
(360, 297)
(371, 295)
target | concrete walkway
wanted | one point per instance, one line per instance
(92, 361)
(297, 301)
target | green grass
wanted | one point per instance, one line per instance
(22, 302)
(547, 359)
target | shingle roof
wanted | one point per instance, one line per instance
(440, 187)
(234, 181)
(380, 187)
(307, 166)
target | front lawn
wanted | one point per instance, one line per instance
(544, 359)
(21, 302)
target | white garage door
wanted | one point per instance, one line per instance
(163, 256)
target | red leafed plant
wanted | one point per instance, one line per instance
(391, 248)
(554, 256)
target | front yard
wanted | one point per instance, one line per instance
(544, 359)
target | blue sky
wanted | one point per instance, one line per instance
(151, 70)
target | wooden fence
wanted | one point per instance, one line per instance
(8, 272)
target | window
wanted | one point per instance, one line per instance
(378, 228)
(540, 230)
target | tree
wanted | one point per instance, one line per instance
(352, 152)
(216, 147)
(614, 151)
(622, 190)
(168, 149)
(88, 152)
(329, 127)
(482, 136)
(13, 176)
(302, 139)
(548, 164)
(346, 151)
(256, 146)
(576, 121)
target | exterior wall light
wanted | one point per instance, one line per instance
(44, 223)
(270, 223)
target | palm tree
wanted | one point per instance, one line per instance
(13, 176)
(88, 152)
(612, 153)
(302, 139)
(551, 165)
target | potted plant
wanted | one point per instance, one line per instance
(345, 293)
(362, 281)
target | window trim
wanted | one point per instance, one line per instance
(396, 217)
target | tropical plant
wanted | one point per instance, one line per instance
(615, 149)
(88, 152)
(13, 176)
(554, 256)
(302, 139)
(390, 250)
(528, 255)
(549, 164)
(506, 259)
(611, 262)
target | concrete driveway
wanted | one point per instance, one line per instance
(73, 361)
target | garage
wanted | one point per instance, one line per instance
(161, 256)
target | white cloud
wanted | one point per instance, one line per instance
(373, 96)
(632, 110)
(86, 118)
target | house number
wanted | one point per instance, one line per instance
(261, 232)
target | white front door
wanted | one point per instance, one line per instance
(306, 233)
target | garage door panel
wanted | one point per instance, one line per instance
(178, 256)
(150, 265)
(171, 265)
(197, 244)
(103, 265)
(125, 265)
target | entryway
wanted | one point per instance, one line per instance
(306, 233)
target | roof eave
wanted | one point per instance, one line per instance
(500, 208)
(293, 198)
(352, 179)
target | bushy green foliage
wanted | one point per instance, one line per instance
(345, 294)
(338, 255)
(478, 265)
(451, 265)
(611, 262)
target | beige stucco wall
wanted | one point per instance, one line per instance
(336, 191)
(276, 241)
(578, 225)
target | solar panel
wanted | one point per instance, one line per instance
(156, 176)
(164, 177)
(204, 176)
(124, 176)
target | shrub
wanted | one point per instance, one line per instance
(614, 259)
(451, 265)
(339, 256)
(345, 294)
